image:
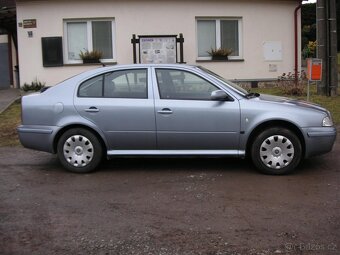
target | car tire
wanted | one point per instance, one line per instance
(79, 150)
(276, 151)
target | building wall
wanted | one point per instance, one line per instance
(262, 21)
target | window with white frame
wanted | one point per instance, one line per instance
(215, 33)
(82, 35)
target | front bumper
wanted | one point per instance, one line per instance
(319, 140)
(38, 137)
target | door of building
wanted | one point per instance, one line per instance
(4, 66)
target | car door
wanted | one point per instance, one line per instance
(187, 118)
(120, 103)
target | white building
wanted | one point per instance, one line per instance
(260, 33)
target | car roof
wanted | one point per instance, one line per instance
(147, 66)
(154, 65)
(104, 69)
(101, 70)
(134, 66)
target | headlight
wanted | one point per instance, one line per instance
(327, 122)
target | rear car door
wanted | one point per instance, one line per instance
(121, 104)
(187, 118)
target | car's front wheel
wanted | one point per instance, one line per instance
(79, 150)
(276, 151)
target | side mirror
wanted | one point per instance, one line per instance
(219, 95)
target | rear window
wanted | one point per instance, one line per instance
(92, 87)
(117, 84)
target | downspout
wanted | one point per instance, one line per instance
(296, 44)
(10, 60)
(328, 63)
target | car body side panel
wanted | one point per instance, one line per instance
(127, 123)
(200, 125)
(42, 137)
(196, 124)
(254, 112)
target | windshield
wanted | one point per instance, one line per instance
(237, 88)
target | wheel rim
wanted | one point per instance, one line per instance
(277, 151)
(78, 151)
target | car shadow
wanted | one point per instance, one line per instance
(312, 166)
(176, 164)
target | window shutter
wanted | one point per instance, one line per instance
(52, 51)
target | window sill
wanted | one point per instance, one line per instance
(226, 60)
(92, 64)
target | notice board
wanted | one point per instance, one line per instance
(158, 49)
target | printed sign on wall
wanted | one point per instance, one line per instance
(29, 23)
(158, 50)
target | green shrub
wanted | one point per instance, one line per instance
(34, 86)
(309, 51)
(220, 52)
(292, 87)
(93, 55)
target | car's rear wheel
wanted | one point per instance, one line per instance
(79, 150)
(276, 151)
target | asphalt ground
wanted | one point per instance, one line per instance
(167, 206)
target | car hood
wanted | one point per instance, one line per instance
(292, 102)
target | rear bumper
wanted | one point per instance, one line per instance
(319, 140)
(37, 137)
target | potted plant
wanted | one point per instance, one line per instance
(220, 53)
(309, 51)
(91, 56)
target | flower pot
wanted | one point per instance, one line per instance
(219, 58)
(85, 61)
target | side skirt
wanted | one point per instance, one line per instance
(203, 153)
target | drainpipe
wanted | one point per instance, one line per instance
(296, 44)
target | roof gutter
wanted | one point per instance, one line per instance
(296, 44)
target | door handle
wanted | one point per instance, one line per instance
(92, 109)
(165, 111)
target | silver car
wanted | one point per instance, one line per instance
(170, 110)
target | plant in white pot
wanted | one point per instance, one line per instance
(91, 56)
(220, 53)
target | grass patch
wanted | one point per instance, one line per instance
(9, 120)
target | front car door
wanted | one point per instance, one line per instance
(121, 104)
(187, 118)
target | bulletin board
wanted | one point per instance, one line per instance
(158, 49)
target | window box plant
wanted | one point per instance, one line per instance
(220, 53)
(91, 56)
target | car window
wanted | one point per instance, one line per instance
(183, 85)
(126, 84)
(92, 87)
(224, 81)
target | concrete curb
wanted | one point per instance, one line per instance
(9, 104)
(8, 97)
